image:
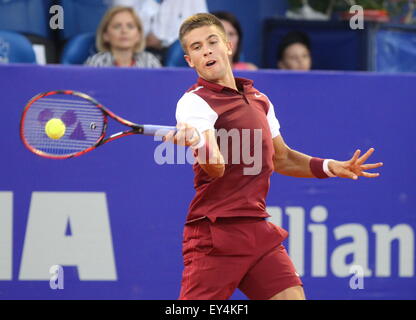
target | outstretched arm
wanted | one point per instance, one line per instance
(296, 164)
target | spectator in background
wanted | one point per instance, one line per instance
(294, 52)
(235, 36)
(146, 10)
(162, 19)
(120, 41)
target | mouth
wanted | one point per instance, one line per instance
(210, 63)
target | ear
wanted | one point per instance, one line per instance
(189, 61)
(230, 48)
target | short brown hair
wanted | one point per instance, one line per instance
(105, 46)
(197, 21)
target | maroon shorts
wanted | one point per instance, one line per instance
(244, 253)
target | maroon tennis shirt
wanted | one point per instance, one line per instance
(245, 124)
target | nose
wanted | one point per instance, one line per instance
(207, 52)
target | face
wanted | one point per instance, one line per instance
(122, 32)
(232, 35)
(208, 53)
(296, 57)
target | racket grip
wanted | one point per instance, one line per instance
(151, 130)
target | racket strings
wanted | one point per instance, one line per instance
(82, 122)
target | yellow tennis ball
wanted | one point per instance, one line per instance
(55, 128)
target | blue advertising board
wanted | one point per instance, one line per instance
(113, 218)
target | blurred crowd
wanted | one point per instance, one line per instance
(144, 34)
(139, 33)
(264, 34)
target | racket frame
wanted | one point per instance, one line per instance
(136, 128)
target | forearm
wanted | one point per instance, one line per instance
(210, 158)
(212, 164)
(214, 170)
(293, 163)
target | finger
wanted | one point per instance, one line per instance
(355, 156)
(169, 136)
(180, 138)
(187, 137)
(370, 175)
(347, 174)
(192, 141)
(371, 166)
(189, 133)
(176, 134)
(365, 156)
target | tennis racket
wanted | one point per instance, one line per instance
(65, 124)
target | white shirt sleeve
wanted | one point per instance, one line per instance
(195, 111)
(273, 122)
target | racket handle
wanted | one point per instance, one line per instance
(151, 130)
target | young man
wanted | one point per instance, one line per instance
(228, 243)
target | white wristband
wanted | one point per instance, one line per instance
(200, 143)
(326, 168)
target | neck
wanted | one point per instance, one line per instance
(122, 57)
(227, 80)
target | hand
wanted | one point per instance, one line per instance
(355, 167)
(186, 135)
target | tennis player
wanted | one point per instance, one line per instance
(228, 243)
